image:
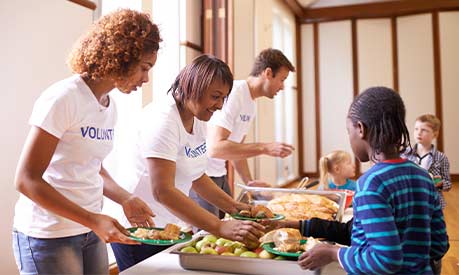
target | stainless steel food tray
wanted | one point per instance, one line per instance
(262, 195)
(241, 265)
(249, 266)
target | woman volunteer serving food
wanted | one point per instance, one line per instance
(58, 225)
(172, 159)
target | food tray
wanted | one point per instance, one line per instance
(249, 266)
(262, 195)
(237, 265)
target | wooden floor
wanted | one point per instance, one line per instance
(451, 259)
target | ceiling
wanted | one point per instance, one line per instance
(311, 4)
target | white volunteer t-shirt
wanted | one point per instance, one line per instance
(69, 111)
(162, 135)
(236, 116)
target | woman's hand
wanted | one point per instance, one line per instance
(109, 230)
(137, 212)
(247, 232)
(318, 256)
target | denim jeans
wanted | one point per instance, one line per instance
(221, 182)
(81, 254)
(129, 255)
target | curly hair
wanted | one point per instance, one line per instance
(197, 76)
(382, 112)
(271, 58)
(114, 45)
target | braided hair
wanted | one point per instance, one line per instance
(382, 113)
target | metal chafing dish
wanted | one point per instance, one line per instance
(262, 195)
(242, 265)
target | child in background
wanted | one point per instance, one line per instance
(335, 170)
(398, 222)
(424, 153)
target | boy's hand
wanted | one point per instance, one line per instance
(438, 182)
(318, 256)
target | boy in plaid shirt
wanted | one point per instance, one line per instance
(426, 155)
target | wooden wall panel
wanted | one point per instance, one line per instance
(416, 67)
(336, 84)
(449, 45)
(308, 96)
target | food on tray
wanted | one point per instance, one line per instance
(261, 212)
(257, 212)
(288, 240)
(170, 232)
(304, 206)
(245, 213)
(285, 239)
(210, 244)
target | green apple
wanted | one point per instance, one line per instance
(222, 241)
(239, 250)
(189, 249)
(208, 250)
(200, 244)
(227, 254)
(249, 254)
(237, 244)
(265, 255)
(210, 238)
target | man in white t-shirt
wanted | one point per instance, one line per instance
(228, 127)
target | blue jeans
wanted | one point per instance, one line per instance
(128, 255)
(221, 182)
(80, 254)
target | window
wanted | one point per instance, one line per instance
(285, 102)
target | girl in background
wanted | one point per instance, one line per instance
(335, 170)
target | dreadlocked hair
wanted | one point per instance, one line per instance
(382, 113)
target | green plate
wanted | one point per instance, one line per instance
(270, 248)
(275, 218)
(183, 237)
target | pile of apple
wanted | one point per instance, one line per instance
(210, 244)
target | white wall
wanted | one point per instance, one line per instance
(375, 67)
(374, 57)
(449, 45)
(416, 68)
(33, 53)
(336, 88)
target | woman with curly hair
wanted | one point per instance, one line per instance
(58, 225)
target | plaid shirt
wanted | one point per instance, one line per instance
(438, 165)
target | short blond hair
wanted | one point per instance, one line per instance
(431, 120)
(327, 162)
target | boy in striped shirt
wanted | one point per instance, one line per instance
(398, 222)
